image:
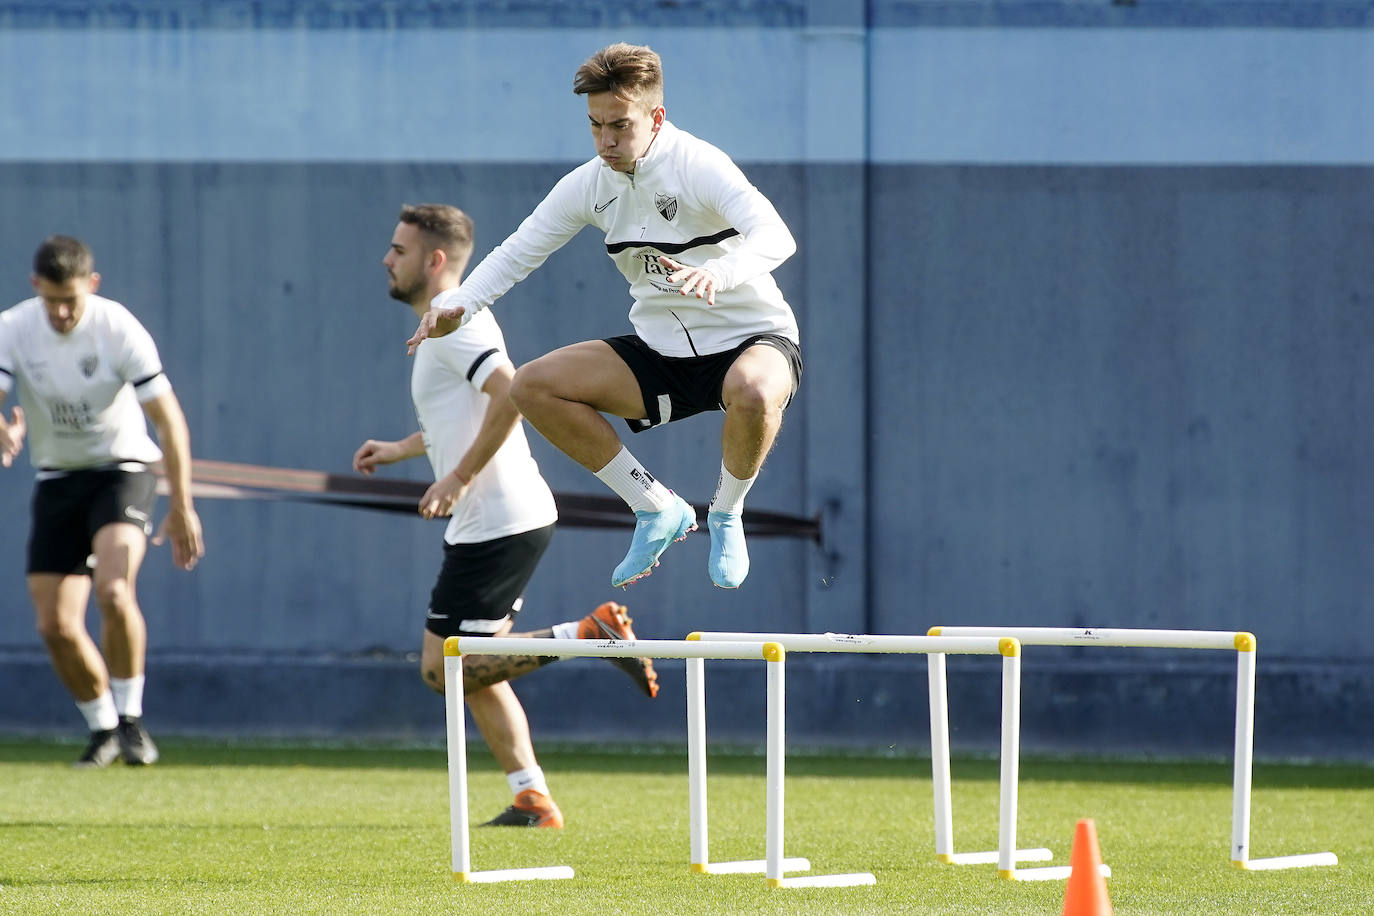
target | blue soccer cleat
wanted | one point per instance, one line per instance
(729, 561)
(654, 531)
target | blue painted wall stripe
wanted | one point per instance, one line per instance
(1129, 96)
(991, 96)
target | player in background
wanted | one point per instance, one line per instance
(696, 242)
(502, 512)
(89, 378)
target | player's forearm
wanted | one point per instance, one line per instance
(498, 423)
(763, 251)
(412, 446)
(543, 232)
(174, 437)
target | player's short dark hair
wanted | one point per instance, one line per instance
(445, 226)
(630, 72)
(62, 258)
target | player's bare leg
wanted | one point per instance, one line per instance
(501, 720)
(60, 607)
(119, 552)
(755, 392)
(564, 394)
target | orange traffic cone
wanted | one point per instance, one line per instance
(1086, 894)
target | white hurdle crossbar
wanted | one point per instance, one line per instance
(694, 651)
(932, 647)
(1245, 647)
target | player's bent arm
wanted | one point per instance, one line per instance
(766, 240)
(182, 524)
(498, 423)
(376, 452)
(559, 216)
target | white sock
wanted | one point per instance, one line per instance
(100, 713)
(566, 630)
(529, 778)
(730, 492)
(632, 483)
(128, 695)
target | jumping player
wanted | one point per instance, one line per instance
(696, 242)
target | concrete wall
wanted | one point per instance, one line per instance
(1082, 290)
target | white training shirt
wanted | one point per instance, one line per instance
(81, 391)
(508, 496)
(686, 199)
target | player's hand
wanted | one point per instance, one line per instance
(435, 323)
(442, 318)
(372, 454)
(12, 437)
(441, 497)
(182, 528)
(697, 280)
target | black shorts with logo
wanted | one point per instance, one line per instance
(481, 585)
(68, 510)
(681, 386)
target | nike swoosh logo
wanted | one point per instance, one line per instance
(433, 616)
(601, 207)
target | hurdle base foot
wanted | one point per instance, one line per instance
(749, 866)
(1049, 873)
(855, 879)
(992, 857)
(544, 873)
(1308, 860)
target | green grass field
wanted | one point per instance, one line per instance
(225, 829)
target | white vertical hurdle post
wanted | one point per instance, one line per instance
(1246, 647)
(776, 750)
(933, 647)
(939, 757)
(696, 765)
(1010, 756)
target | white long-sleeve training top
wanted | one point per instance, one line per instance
(686, 199)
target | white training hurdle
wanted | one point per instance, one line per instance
(1242, 643)
(933, 647)
(694, 651)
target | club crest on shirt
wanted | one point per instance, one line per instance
(667, 205)
(89, 364)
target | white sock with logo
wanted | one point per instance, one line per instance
(128, 695)
(100, 713)
(528, 778)
(632, 483)
(730, 492)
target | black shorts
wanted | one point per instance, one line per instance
(688, 385)
(68, 510)
(480, 585)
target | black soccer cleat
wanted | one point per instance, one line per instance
(531, 809)
(135, 745)
(102, 750)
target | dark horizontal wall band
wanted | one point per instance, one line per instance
(397, 14)
(420, 14)
(1122, 14)
(869, 703)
